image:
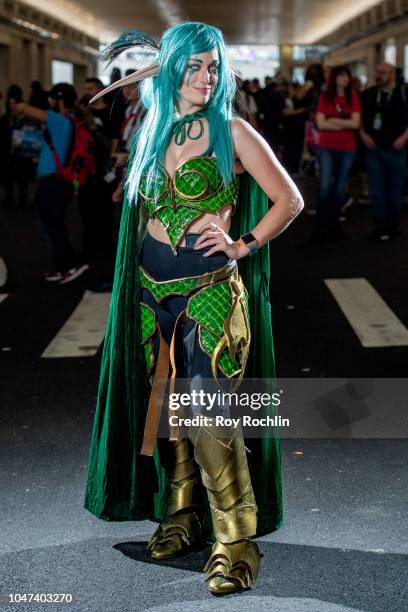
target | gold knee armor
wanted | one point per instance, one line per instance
(220, 453)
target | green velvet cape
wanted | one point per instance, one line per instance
(123, 485)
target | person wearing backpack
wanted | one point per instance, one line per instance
(54, 181)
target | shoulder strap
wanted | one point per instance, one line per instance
(48, 140)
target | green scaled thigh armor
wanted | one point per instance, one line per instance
(148, 328)
(219, 308)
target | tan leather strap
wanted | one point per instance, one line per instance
(174, 429)
(156, 398)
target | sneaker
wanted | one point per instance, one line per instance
(73, 273)
(53, 277)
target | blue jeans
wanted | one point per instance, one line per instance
(334, 167)
(386, 169)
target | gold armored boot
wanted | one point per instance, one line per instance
(234, 561)
(181, 527)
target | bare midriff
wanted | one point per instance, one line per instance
(222, 219)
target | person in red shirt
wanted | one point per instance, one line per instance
(337, 117)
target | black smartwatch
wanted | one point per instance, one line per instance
(250, 241)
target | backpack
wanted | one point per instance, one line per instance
(80, 164)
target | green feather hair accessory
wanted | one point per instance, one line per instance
(128, 40)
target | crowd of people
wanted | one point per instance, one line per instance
(342, 128)
(72, 149)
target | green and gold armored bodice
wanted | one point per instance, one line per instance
(195, 189)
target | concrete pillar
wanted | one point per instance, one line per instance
(91, 68)
(400, 44)
(4, 69)
(47, 57)
(33, 61)
(372, 55)
(286, 60)
(79, 77)
(17, 64)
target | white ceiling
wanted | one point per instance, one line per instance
(242, 21)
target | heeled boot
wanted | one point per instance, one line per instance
(181, 528)
(234, 561)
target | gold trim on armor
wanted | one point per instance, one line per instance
(171, 186)
(161, 195)
(235, 373)
(232, 323)
(187, 204)
(234, 274)
(180, 164)
(207, 278)
(170, 179)
(202, 192)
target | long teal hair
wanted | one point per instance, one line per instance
(161, 94)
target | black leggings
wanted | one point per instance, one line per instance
(158, 259)
(51, 199)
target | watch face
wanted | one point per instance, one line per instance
(247, 238)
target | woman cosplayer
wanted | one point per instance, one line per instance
(191, 300)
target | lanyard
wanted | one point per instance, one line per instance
(378, 122)
(389, 94)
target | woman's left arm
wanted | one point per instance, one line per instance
(258, 159)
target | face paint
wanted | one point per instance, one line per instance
(200, 78)
(190, 71)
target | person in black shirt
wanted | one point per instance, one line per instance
(304, 103)
(384, 133)
(272, 103)
(95, 197)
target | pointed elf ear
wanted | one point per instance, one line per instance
(149, 71)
